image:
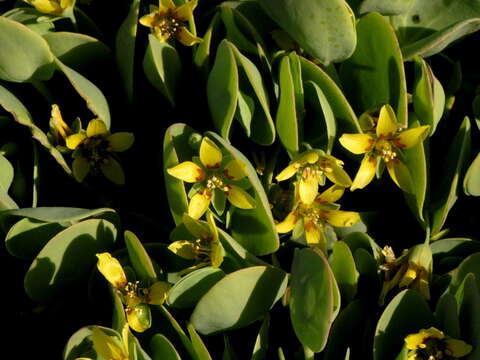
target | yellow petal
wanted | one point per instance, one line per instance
(158, 292)
(46, 6)
(240, 198)
(184, 249)
(120, 141)
(148, 20)
(413, 341)
(139, 318)
(409, 276)
(357, 143)
(308, 189)
(365, 173)
(411, 137)
(161, 35)
(126, 334)
(187, 171)
(339, 218)
(106, 346)
(59, 125)
(234, 170)
(66, 3)
(185, 12)
(288, 223)
(313, 234)
(210, 154)
(331, 195)
(199, 204)
(213, 228)
(288, 172)
(81, 168)
(308, 157)
(387, 122)
(186, 37)
(457, 348)
(400, 175)
(111, 270)
(337, 175)
(216, 254)
(113, 171)
(96, 127)
(433, 333)
(166, 5)
(74, 140)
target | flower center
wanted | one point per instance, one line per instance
(168, 25)
(311, 213)
(385, 150)
(216, 182)
(95, 149)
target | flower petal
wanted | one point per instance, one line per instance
(411, 137)
(308, 189)
(108, 347)
(240, 198)
(210, 154)
(457, 348)
(96, 127)
(339, 218)
(184, 249)
(148, 20)
(113, 171)
(186, 37)
(287, 224)
(196, 227)
(216, 254)
(313, 234)
(213, 228)
(414, 341)
(187, 171)
(139, 319)
(74, 140)
(185, 12)
(288, 172)
(199, 204)
(338, 176)
(387, 122)
(111, 269)
(166, 5)
(365, 173)
(59, 125)
(331, 195)
(158, 293)
(81, 168)
(120, 141)
(161, 35)
(234, 170)
(400, 175)
(357, 143)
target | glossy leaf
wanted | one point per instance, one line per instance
(469, 313)
(163, 349)
(141, 262)
(199, 347)
(6, 178)
(374, 74)
(446, 314)
(239, 299)
(261, 343)
(392, 7)
(471, 181)
(343, 267)
(67, 256)
(454, 247)
(471, 264)
(201, 58)
(162, 67)
(325, 29)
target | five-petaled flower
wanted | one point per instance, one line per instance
(311, 167)
(433, 344)
(134, 296)
(94, 150)
(108, 346)
(212, 178)
(384, 144)
(314, 217)
(54, 7)
(167, 21)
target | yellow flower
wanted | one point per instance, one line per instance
(167, 21)
(94, 149)
(432, 344)
(312, 168)
(54, 7)
(58, 128)
(110, 347)
(206, 249)
(385, 144)
(315, 216)
(212, 178)
(111, 270)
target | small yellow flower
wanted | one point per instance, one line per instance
(58, 128)
(54, 7)
(315, 216)
(211, 176)
(385, 144)
(110, 347)
(312, 168)
(206, 249)
(168, 20)
(94, 149)
(432, 344)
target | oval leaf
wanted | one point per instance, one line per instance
(141, 262)
(163, 349)
(471, 181)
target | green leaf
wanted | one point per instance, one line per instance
(222, 89)
(343, 267)
(234, 33)
(163, 67)
(75, 49)
(471, 181)
(391, 7)
(245, 112)
(311, 298)
(125, 48)
(448, 189)
(254, 228)
(189, 289)
(162, 348)
(374, 74)
(325, 29)
(78, 345)
(236, 251)
(29, 57)
(462, 247)
(201, 57)
(446, 314)
(406, 314)
(28, 16)
(261, 343)
(357, 240)
(469, 314)
(27, 237)
(141, 262)
(471, 264)
(68, 256)
(346, 119)
(6, 178)
(95, 99)
(176, 149)
(198, 345)
(239, 299)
